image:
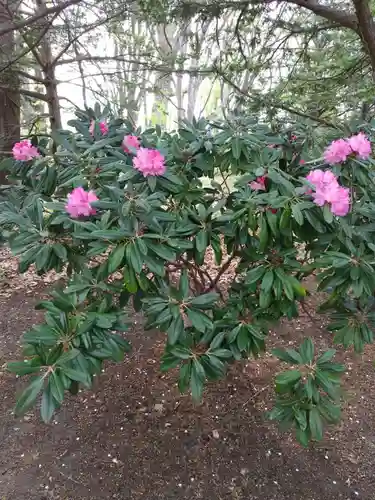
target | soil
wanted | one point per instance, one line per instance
(135, 437)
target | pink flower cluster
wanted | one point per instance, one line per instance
(328, 190)
(149, 162)
(259, 184)
(102, 125)
(24, 151)
(130, 141)
(79, 203)
(338, 151)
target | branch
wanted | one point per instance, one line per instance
(341, 17)
(337, 16)
(31, 20)
(28, 93)
(87, 29)
(30, 77)
(147, 65)
(278, 105)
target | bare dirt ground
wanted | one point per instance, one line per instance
(135, 437)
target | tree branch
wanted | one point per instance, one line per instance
(278, 105)
(40, 15)
(28, 93)
(340, 17)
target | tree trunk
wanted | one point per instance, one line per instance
(163, 84)
(53, 98)
(9, 93)
(49, 73)
(366, 27)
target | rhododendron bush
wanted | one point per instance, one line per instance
(130, 215)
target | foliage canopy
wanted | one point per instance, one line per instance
(144, 248)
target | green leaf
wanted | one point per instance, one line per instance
(197, 380)
(217, 341)
(309, 387)
(29, 395)
(154, 265)
(254, 274)
(267, 281)
(57, 386)
(201, 240)
(327, 214)
(41, 333)
(288, 355)
(297, 214)
(316, 424)
(222, 353)
(24, 367)
(60, 251)
(325, 383)
(67, 356)
(48, 405)
(326, 356)
(307, 351)
(76, 375)
(184, 284)
(181, 352)
(115, 258)
(301, 418)
(134, 258)
(263, 235)
(236, 147)
(303, 436)
(199, 320)
(243, 338)
(175, 330)
(205, 301)
(151, 181)
(287, 380)
(184, 376)
(162, 251)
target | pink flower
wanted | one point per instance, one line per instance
(302, 162)
(102, 125)
(328, 190)
(337, 152)
(149, 162)
(340, 204)
(79, 203)
(25, 151)
(360, 145)
(259, 184)
(130, 141)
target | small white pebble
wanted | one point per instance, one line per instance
(334, 482)
(77, 439)
(179, 485)
(297, 470)
(192, 479)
